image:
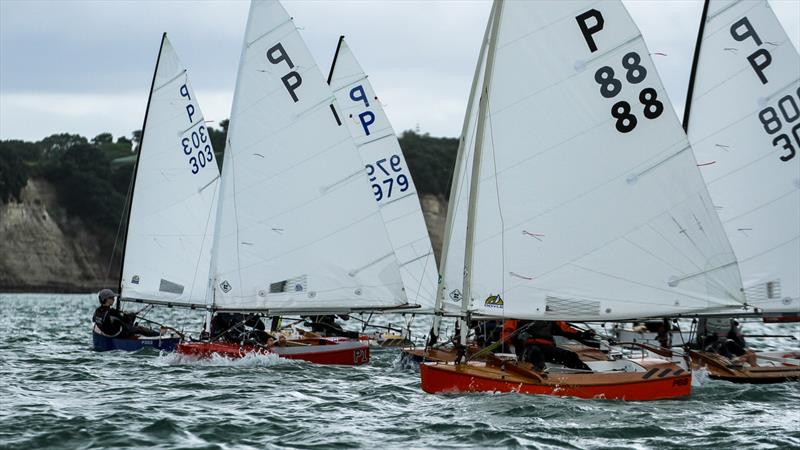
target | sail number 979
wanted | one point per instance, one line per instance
(773, 122)
(389, 172)
(198, 148)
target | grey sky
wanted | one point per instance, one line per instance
(85, 66)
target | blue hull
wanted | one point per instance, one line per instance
(105, 343)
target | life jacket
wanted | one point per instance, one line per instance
(509, 327)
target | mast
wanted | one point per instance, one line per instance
(438, 311)
(227, 165)
(690, 91)
(136, 168)
(476, 171)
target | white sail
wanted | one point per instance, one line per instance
(588, 203)
(744, 125)
(170, 229)
(298, 227)
(388, 175)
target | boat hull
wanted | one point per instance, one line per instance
(720, 368)
(338, 352)
(664, 381)
(103, 343)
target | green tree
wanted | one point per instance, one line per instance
(13, 170)
(430, 161)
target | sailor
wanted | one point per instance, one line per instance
(540, 346)
(114, 322)
(327, 326)
(724, 337)
(238, 327)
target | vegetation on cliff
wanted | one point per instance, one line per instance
(93, 177)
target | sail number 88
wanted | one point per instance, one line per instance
(772, 123)
(389, 172)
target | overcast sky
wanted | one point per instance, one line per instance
(85, 66)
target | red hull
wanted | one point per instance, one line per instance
(348, 353)
(442, 378)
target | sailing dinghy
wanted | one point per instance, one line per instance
(298, 229)
(168, 236)
(390, 182)
(583, 201)
(742, 117)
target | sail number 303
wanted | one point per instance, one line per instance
(384, 174)
(198, 148)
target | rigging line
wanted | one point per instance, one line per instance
(211, 212)
(499, 209)
(422, 276)
(236, 220)
(119, 227)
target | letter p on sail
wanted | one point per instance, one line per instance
(366, 118)
(184, 92)
(276, 54)
(587, 30)
(357, 94)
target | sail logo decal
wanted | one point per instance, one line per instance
(610, 86)
(225, 286)
(494, 301)
(455, 295)
(135, 279)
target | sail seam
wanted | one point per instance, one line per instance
(183, 72)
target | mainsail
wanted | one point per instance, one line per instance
(298, 228)
(169, 235)
(743, 120)
(585, 201)
(388, 174)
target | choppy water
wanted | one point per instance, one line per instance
(55, 392)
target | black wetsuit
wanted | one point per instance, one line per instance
(540, 347)
(115, 323)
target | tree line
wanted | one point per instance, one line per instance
(93, 176)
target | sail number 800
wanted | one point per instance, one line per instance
(198, 143)
(771, 121)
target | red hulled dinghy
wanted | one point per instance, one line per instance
(634, 380)
(319, 351)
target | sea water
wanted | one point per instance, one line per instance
(55, 392)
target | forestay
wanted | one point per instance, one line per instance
(169, 237)
(298, 227)
(743, 118)
(388, 175)
(589, 204)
